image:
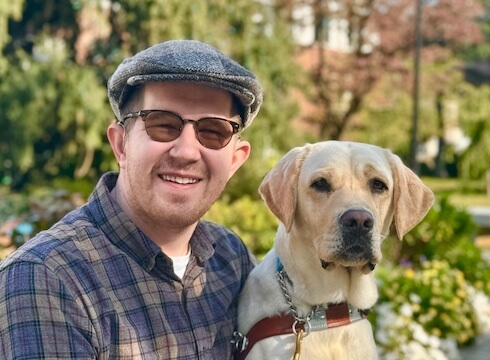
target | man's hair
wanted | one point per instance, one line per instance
(132, 104)
(133, 101)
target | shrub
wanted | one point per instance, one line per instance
(249, 219)
(22, 217)
(446, 234)
(425, 313)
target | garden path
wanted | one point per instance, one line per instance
(480, 350)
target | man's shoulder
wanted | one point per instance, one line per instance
(229, 251)
(221, 233)
(212, 226)
(225, 240)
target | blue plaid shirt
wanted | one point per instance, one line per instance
(95, 287)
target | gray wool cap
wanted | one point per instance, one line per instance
(187, 61)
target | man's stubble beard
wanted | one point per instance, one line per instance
(174, 214)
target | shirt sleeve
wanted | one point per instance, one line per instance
(39, 317)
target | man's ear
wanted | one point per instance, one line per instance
(115, 134)
(240, 155)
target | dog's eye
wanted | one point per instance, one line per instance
(378, 186)
(321, 185)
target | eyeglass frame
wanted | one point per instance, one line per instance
(236, 127)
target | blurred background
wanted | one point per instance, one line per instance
(409, 75)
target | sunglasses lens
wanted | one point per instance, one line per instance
(214, 133)
(163, 126)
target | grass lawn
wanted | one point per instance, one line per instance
(464, 193)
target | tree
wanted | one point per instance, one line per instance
(380, 37)
(54, 107)
(8, 9)
(53, 119)
(447, 102)
(475, 115)
(475, 108)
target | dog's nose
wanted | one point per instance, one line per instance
(361, 220)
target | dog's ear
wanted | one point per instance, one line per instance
(279, 187)
(412, 199)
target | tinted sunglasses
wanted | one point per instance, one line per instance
(165, 126)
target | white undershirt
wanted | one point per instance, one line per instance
(180, 263)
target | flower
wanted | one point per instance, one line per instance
(426, 313)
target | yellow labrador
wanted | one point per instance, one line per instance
(336, 202)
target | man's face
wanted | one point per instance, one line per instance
(174, 183)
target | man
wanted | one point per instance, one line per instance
(135, 273)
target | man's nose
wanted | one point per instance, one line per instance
(186, 145)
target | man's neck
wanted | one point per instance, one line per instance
(173, 241)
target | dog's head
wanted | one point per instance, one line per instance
(341, 198)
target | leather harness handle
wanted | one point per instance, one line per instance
(336, 315)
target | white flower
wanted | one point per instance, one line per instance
(415, 298)
(406, 310)
(391, 356)
(382, 337)
(436, 354)
(434, 342)
(481, 304)
(415, 351)
(419, 334)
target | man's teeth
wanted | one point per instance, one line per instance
(179, 180)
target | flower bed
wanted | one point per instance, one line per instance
(427, 313)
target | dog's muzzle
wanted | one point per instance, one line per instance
(356, 227)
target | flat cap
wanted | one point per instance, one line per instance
(187, 61)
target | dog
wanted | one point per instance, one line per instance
(336, 202)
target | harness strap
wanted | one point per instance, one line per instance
(335, 315)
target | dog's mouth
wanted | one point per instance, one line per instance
(326, 264)
(366, 268)
(352, 253)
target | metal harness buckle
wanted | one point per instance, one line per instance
(240, 341)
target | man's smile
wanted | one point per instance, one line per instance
(179, 180)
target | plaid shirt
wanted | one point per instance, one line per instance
(95, 287)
